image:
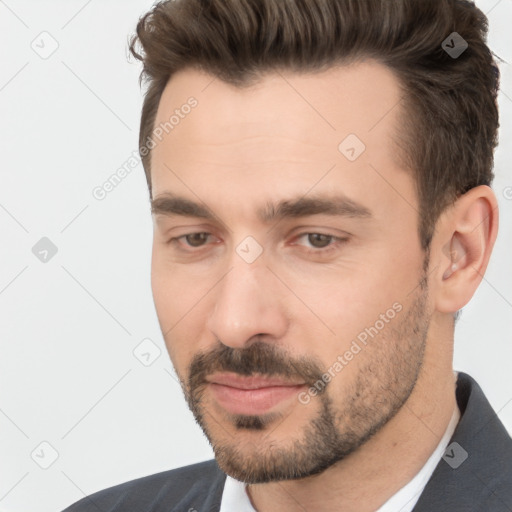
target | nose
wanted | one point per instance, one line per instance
(247, 305)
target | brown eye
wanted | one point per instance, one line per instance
(196, 239)
(320, 244)
(319, 241)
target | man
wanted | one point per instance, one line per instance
(319, 177)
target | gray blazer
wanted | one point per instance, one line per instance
(481, 483)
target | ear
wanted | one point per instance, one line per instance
(464, 239)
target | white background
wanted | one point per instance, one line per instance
(68, 327)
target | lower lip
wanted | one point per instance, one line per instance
(252, 401)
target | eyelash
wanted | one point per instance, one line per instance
(337, 241)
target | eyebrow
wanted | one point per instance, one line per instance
(168, 204)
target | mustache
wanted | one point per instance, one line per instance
(259, 358)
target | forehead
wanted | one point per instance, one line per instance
(287, 130)
(353, 98)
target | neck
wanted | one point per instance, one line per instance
(368, 477)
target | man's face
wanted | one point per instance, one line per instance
(303, 266)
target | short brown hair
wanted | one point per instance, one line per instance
(450, 119)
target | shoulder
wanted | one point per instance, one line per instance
(189, 486)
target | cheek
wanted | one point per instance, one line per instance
(173, 290)
(181, 302)
(348, 300)
(163, 293)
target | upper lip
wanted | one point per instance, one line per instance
(253, 382)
